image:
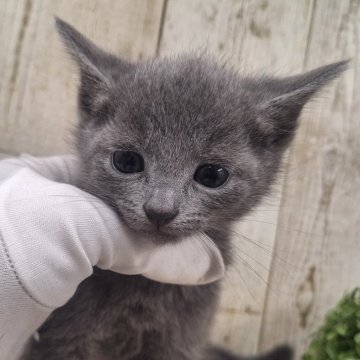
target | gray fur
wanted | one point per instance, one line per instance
(178, 113)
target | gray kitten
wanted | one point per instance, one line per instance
(175, 146)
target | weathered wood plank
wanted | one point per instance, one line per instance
(37, 107)
(253, 35)
(322, 190)
(13, 16)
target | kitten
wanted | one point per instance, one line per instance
(175, 146)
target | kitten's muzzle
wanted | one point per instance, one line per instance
(161, 208)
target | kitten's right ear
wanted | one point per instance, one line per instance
(96, 68)
(87, 55)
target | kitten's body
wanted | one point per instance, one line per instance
(115, 317)
(118, 317)
(178, 114)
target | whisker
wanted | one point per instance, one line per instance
(238, 272)
(228, 279)
(265, 248)
(281, 226)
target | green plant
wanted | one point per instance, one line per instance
(339, 337)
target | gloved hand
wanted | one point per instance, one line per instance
(54, 233)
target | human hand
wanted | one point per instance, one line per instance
(60, 232)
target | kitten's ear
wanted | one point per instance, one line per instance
(284, 99)
(96, 69)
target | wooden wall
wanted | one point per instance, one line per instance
(298, 253)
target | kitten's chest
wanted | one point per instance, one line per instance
(122, 317)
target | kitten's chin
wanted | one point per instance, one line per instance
(157, 235)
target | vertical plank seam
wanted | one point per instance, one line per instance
(286, 167)
(17, 53)
(311, 26)
(161, 29)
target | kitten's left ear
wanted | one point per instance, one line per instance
(284, 99)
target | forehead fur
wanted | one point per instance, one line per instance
(186, 101)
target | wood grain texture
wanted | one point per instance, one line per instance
(253, 36)
(313, 249)
(13, 16)
(38, 91)
(322, 190)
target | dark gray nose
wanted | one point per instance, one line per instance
(159, 217)
(161, 208)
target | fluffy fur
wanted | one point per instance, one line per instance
(177, 113)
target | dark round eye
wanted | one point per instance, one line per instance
(211, 176)
(128, 161)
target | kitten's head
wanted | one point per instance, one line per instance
(182, 145)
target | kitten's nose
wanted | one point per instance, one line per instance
(160, 217)
(161, 208)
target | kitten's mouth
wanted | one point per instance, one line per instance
(161, 234)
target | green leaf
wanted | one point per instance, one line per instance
(339, 336)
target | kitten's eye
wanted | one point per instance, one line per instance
(128, 161)
(211, 176)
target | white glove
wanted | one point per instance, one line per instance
(54, 233)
